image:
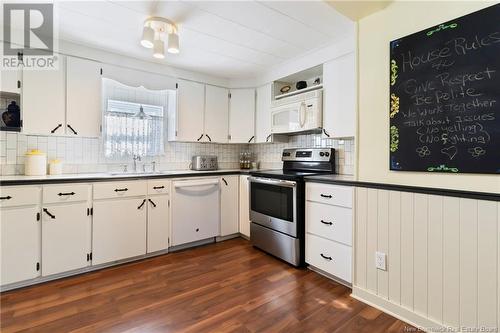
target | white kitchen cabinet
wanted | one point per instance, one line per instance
(20, 233)
(118, 229)
(65, 237)
(229, 197)
(44, 99)
(339, 97)
(20, 244)
(190, 109)
(195, 210)
(83, 97)
(242, 116)
(9, 81)
(158, 218)
(263, 117)
(244, 220)
(216, 114)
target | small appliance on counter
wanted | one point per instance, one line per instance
(204, 162)
(35, 163)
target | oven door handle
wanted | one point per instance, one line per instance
(278, 182)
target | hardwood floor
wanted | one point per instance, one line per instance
(224, 287)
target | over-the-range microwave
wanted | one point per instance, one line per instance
(302, 112)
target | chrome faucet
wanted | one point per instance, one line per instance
(136, 158)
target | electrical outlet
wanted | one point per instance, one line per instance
(380, 261)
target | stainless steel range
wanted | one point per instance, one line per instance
(277, 201)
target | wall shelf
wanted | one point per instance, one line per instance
(296, 92)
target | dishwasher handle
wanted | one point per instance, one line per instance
(183, 184)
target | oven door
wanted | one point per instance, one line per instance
(273, 204)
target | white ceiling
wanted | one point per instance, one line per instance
(233, 39)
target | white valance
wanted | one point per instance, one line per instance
(136, 78)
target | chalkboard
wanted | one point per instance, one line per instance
(445, 96)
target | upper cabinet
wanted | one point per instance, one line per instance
(242, 116)
(339, 97)
(189, 113)
(65, 101)
(83, 97)
(43, 100)
(263, 114)
(216, 114)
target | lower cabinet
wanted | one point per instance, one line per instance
(244, 219)
(20, 243)
(158, 223)
(118, 229)
(229, 201)
(65, 237)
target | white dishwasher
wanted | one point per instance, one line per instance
(195, 210)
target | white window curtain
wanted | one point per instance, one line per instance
(125, 133)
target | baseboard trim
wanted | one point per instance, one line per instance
(398, 311)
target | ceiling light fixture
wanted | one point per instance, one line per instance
(155, 31)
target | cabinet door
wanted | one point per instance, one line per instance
(339, 99)
(263, 114)
(190, 108)
(244, 206)
(158, 219)
(20, 244)
(43, 100)
(229, 199)
(118, 229)
(242, 116)
(9, 81)
(83, 97)
(65, 237)
(216, 114)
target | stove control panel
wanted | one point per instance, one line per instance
(308, 154)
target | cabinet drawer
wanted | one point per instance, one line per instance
(66, 193)
(329, 194)
(11, 196)
(329, 256)
(120, 189)
(158, 186)
(332, 222)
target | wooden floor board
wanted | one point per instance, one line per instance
(223, 287)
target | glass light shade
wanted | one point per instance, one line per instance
(148, 35)
(159, 49)
(173, 43)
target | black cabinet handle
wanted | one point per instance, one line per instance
(225, 181)
(201, 136)
(326, 196)
(268, 137)
(142, 204)
(327, 223)
(49, 214)
(121, 189)
(151, 201)
(253, 136)
(71, 128)
(209, 138)
(55, 129)
(326, 133)
(67, 193)
(325, 257)
(6, 198)
(158, 187)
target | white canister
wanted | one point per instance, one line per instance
(35, 163)
(55, 167)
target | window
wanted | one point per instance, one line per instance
(134, 120)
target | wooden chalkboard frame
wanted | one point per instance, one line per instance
(467, 140)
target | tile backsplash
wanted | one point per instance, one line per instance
(269, 155)
(85, 155)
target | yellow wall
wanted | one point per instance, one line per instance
(375, 32)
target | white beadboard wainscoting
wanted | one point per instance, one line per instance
(443, 258)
